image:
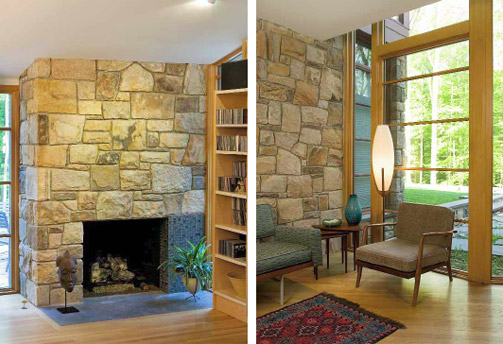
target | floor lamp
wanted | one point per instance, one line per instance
(383, 162)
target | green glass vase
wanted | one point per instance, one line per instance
(353, 211)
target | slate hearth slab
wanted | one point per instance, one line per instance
(114, 307)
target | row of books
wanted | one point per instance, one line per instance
(239, 169)
(232, 143)
(232, 116)
(239, 211)
(234, 248)
(232, 184)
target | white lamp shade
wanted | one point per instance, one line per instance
(383, 157)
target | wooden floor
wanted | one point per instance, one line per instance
(31, 326)
(457, 312)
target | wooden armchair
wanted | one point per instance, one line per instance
(423, 241)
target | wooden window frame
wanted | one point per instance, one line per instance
(14, 188)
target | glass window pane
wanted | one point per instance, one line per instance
(5, 109)
(5, 263)
(362, 85)
(497, 240)
(363, 55)
(442, 145)
(5, 155)
(435, 60)
(428, 18)
(439, 97)
(5, 218)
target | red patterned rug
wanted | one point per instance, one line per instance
(323, 319)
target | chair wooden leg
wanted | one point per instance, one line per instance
(359, 269)
(449, 270)
(342, 249)
(282, 290)
(316, 272)
(328, 253)
(416, 288)
(345, 252)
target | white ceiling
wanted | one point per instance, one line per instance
(324, 19)
(142, 30)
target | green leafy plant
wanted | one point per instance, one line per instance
(194, 262)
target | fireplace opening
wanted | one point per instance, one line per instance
(122, 256)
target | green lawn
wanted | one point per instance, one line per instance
(459, 261)
(429, 196)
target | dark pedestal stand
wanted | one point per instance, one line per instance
(67, 310)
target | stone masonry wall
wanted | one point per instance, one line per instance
(300, 118)
(103, 140)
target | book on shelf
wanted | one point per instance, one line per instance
(239, 211)
(232, 116)
(239, 169)
(232, 143)
(232, 184)
(234, 248)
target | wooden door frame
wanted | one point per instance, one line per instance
(14, 235)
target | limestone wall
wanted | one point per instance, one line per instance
(103, 140)
(300, 117)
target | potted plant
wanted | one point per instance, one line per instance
(194, 266)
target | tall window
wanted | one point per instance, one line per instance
(8, 235)
(362, 119)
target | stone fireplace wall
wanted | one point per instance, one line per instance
(299, 116)
(103, 140)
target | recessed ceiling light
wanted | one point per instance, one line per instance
(205, 2)
(212, 1)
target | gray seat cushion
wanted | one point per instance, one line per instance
(277, 255)
(400, 254)
(265, 222)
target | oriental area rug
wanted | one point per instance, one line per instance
(323, 318)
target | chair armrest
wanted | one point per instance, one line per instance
(421, 246)
(307, 236)
(371, 225)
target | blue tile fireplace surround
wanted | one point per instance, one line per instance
(178, 229)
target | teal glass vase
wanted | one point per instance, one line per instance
(353, 211)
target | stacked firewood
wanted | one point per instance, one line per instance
(110, 270)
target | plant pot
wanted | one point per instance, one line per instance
(238, 281)
(192, 286)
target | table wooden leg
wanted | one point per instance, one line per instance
(342, 249)
(356, 243)
(345, 252)
(328, 253)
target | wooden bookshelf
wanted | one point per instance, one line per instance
(220, 215)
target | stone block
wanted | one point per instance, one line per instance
(278, 68)
(300, 186)
(273, 184)
(306, 94)
(168, 83)
(285, 140)
(293, 47)
(332, 178)
(312, 75)
(69, 180)
(105, 177)
(114, 205)
(113, 65)
(73, 69)
(155, 157)
(275, 92)
(89, 107)
(288, 163)
(135, 180)
(137, 79)
(73, 233)
(146, 209)
(86, 90)
(107, 85)
(317, 156)
(65, 129)
(129, 134)
(193, 202)
(332, 137)
(50, 156)
(173, 203)
(170, 179)
(97, 125)
(37, 183)
(176, 68)
(195, 79)
(96, 137)
(335, 199)
(152, 140)
(116, 110)
(266, 165)
(152, 105)
(335, 114)
(316, 55)
(160, 125)
(300, 149)
(173, 140)
(310, 136)
(41, 68)
(291, 120)
(194, 123)
(157, 67)
(297, 69)
(51, 212)
(108, 158)
(130, 160)
(331, 85)
(57, 296)
(314, 115)
(289, 210)
(53, 96)
(87, 200)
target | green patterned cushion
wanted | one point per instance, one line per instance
(265, 223)
(277, 255)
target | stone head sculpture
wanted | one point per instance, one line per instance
(67, 271)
